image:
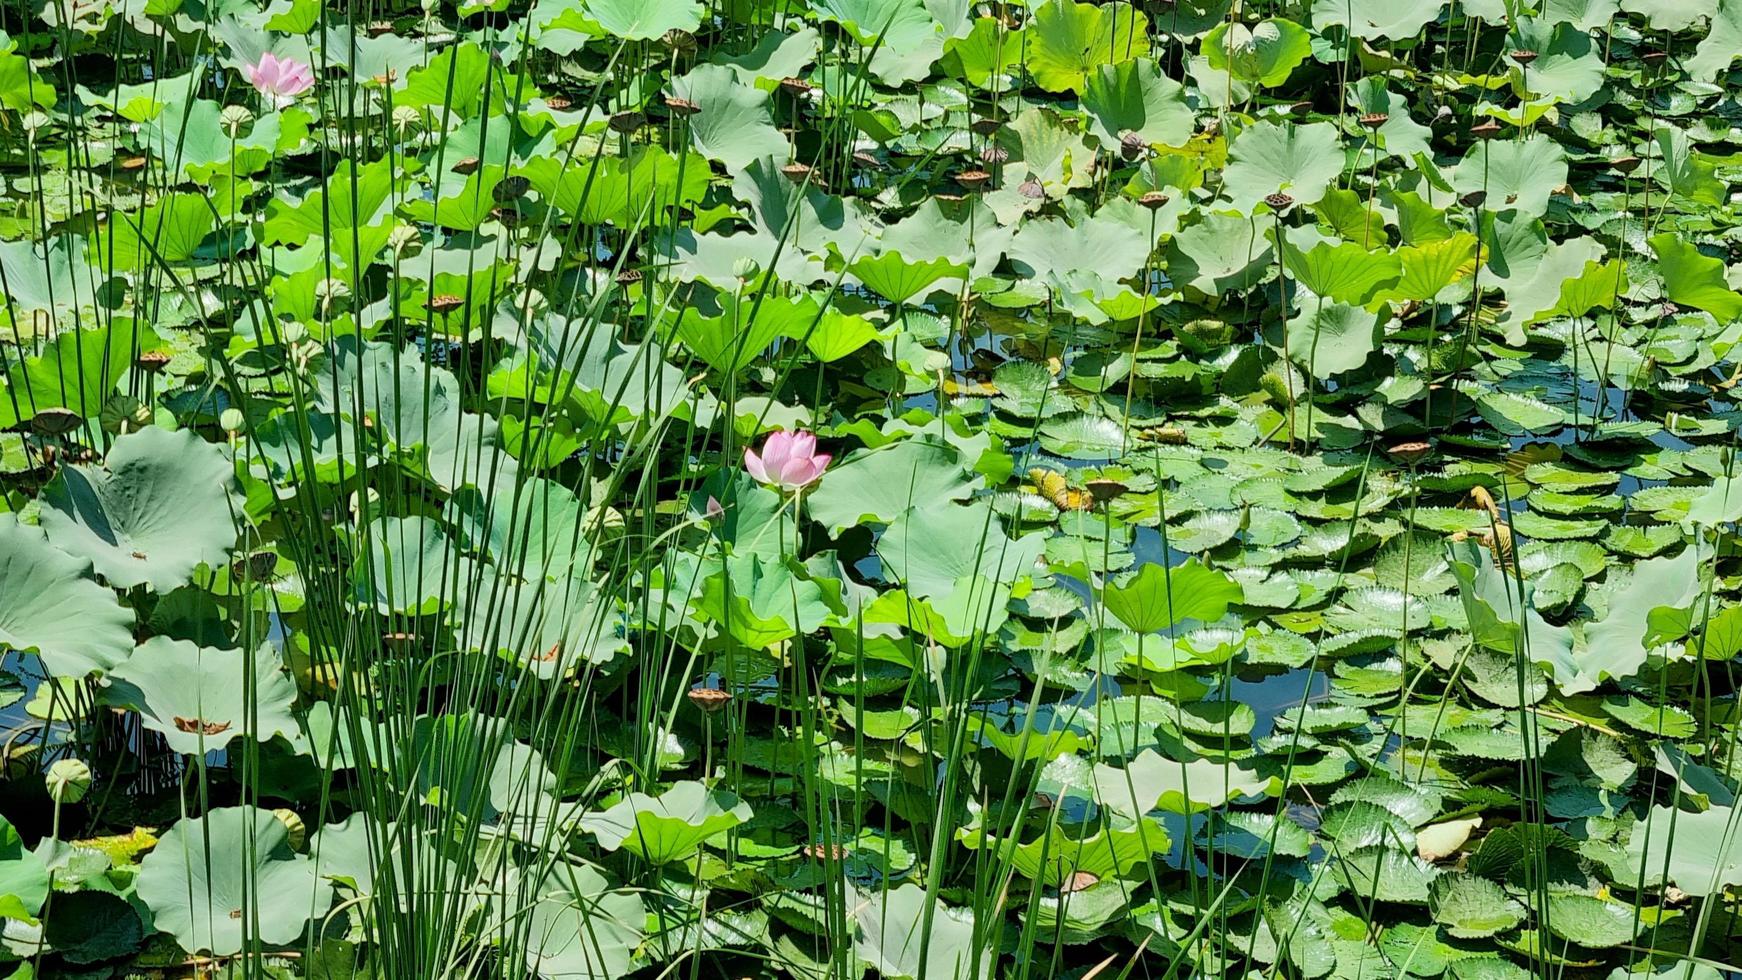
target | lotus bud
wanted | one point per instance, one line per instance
(294, 828)
(231, 420)
(68, 780)
(233, 118)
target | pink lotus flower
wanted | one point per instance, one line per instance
(281, 80)
(789, 460)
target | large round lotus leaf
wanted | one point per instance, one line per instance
(49, 606)
(92, 926)
(879, 485)
(669, 827)
(157, 508)
(214, 881)
(550, 627)
(1270, 158)
(890, 933)
(199, 698)
(536, 526)
(733, 125)
(408, 565)
(1157, 597)
(580, 929)
(644, 20)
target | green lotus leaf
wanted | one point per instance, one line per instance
(1694, 279)
(1152, 781)
(1265, 53)
(929, 549)
(581, 929)
(1331, 338)
(1137, 97)
(407, 564)
(50, 606)
(1067, 42)
(1371, 19)
(644, 20)
(880, 485)
(1566, 68)
(1157, 598)
(669, 827)
(220, 880)
(903, 37)
(732, 124)
(92, 926)
(199, 698)
(1269, 158)
(1516, 174)
(1346, 272)
(549, 626)
(158, 508)
(898, 279)
(1056, 855)
(78, 371)
(24, 880)
(906, 935)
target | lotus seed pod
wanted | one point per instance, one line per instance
(295, 829)
(403, 237)
(68, 780)
(234, 117)
(406, 118)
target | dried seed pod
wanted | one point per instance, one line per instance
(867, 160)
(628, 277)
(626, 122)
(1655, 59)
(1031, 189)
(1524, 56)
(1278, 201)
(467, 165)
(445, 303)
(506, 215)
(1078, 881)
(557, 102)
(511, 188)
(1132, 146)
(994, 155)
(1486, 129)
(678, 39)
(199, 726)
(1374, 120)
(986, 125)
(826, 852)
(1625, 164)
(56, 421)
(1154, 200)
(133, 163)
(1104, 490)
(798, 173)
(152, 361)
(973, 180)
(709, 699)
(380, 27)
(1474, 199)
(257, 567)
(798, 88)
(681, 107)
(1409, 453)
(1301, 108)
